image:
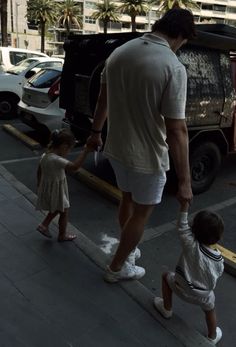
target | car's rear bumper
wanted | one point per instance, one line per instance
(51, 116)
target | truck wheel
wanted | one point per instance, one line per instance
(205, 160)
(8, 107)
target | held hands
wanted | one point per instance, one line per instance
(184, 196)
(94, 141)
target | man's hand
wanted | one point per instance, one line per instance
(184, 194)
(94, 141)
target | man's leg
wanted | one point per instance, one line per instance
(132, 233)
(126, 209)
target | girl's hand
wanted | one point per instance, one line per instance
(88, 148)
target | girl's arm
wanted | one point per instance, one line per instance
(74, 166)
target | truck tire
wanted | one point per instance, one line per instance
(8, 106)
(205, 161)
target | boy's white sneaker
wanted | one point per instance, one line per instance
(218, 336)
(159, 305)
(128, 272)
(134, 255)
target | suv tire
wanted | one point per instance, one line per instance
(205, 161)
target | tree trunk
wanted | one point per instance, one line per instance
(133, 22)
(42, 24)
(4, 22)
(105, 23)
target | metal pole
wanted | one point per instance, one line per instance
(17, 36)
(83, 31)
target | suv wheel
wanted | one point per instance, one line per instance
(205, 160)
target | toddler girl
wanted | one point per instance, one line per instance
(52, 183)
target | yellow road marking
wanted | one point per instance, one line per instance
(100, 185)
(21, 136)
(227, 254)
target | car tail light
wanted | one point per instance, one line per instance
(54, 90)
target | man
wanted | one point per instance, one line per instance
(143, 93)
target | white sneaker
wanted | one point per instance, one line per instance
(159, 305)
(218, 336)
(134, 255)
(128, 272)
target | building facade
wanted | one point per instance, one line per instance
(25, 36)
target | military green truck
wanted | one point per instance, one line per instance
(210, 112)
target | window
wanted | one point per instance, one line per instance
(219, 8)
(206, 7)
(231, 9)
(126, 25)
(90, 20)
(140, 26)
(45, 78)
(16, 57)
(90, 4)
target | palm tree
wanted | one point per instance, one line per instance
(134, 8)
(106, 12)
(3, 12)
(166, 5)
(43, 12)
(70, 15)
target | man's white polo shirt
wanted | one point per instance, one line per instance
(145, 83)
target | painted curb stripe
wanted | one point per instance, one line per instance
(21, 136)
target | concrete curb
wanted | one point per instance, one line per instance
(21, 136)
(143, 296)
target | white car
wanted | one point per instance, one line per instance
(39, 107)
(12, 81)
(10, 56)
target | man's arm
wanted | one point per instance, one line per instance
(39, 174)
(177, 139)
(100, 116)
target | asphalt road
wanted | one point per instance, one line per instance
(94, 214)
(96, 217)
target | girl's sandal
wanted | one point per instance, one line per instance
(66, 237)
(44, 231)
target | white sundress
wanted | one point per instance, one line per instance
(53, 189)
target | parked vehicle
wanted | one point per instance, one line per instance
(10, 56)
(12, 81)
(39, 107)
(210, 110)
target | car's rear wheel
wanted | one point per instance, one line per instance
(8, 106)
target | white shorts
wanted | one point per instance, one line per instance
(195, 297)
(146, 189)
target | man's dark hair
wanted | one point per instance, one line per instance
(176, 22)
(207, 227)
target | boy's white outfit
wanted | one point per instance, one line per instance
(197, 270)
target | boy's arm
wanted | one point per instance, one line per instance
(184, 230)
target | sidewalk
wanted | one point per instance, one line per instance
(53, 293)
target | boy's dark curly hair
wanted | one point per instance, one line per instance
(207, 227)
